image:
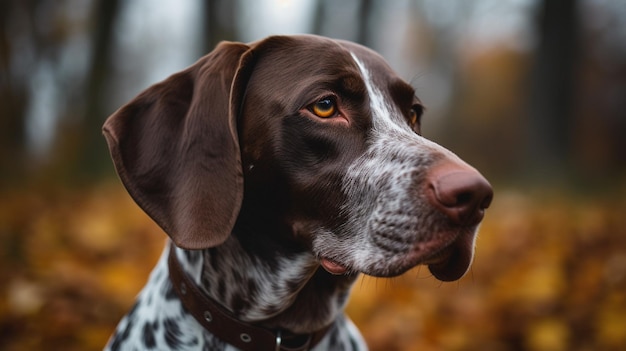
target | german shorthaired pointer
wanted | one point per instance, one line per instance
(280, 170)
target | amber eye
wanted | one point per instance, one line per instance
(324, 108)
(415, 115)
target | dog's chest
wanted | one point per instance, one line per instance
(158, 321)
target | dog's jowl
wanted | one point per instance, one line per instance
(281, 170)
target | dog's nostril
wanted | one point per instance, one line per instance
(463, 198)
(461, 194)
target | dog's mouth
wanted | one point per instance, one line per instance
(447, 261)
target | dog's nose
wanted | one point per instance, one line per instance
(460, 192)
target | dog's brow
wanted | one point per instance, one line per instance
(351, 85)
(404, 93)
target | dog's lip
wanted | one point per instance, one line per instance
(453, 261)
(333, 267)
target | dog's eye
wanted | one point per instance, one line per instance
(415, 116)
(324, 108)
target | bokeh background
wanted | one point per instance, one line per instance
(531, 92)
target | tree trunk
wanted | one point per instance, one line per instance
(13, 102)
(364, 21)
(552, 88)
(219, 22)
(93, 153)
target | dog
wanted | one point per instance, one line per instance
(281, 170)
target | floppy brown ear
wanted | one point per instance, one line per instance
(176, 149)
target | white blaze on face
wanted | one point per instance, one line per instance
(381, 110)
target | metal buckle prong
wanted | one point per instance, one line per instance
(279, 339)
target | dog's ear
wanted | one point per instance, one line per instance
(176, 149)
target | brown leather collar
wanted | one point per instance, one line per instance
(224, 326)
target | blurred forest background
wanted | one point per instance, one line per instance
(531, 92)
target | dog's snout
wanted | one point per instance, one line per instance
(460, 192)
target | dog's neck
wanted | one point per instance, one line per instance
(286, 290)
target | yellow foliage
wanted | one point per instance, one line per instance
(549, 274)
(548, 335)
(611, 322)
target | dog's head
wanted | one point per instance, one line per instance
(302, 140)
